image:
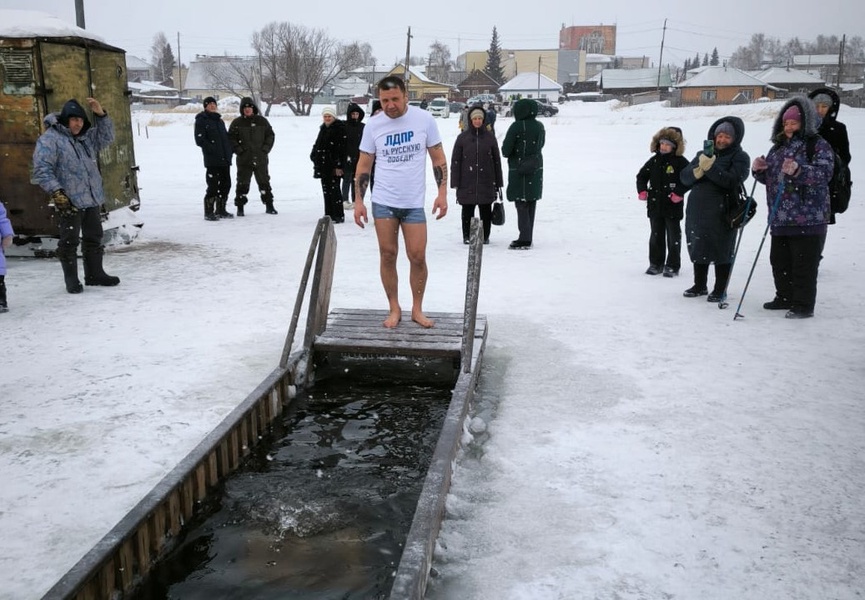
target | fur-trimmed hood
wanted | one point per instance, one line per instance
(836, 101)
(674, 134)
(525, 108)
(810, 118)
(738, 127)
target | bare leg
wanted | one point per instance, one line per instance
(387, 231)
(414, 235)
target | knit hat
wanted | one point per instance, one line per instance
(667, 141)
(824, 99)
(726, 127)
(208, 100)
(72, 109)
(477, 111)
(792, 114)
(327, 110)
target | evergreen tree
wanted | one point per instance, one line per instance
(494, 59)
(706, 60)
(687, 66)
(715, 60)
(696, 62)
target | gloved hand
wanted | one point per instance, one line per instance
(62, 203)
(706, 162)
(698, 172)
(759, 164)
(676, 198)
(643, 195)
(789, 167)
(7, 241)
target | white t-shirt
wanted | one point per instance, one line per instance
(400, 149)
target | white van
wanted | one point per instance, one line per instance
(440, 107)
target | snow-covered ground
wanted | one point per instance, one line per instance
(637, 444)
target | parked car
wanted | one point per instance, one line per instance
(457, 106)
(439, 107)
(545, 108)
(481, 99)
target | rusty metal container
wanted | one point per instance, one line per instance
(41, 67)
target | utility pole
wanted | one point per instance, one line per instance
(841, 59)
(539, 76)
(79, 13)
(179, 68)
(661, 57)
(407, 55)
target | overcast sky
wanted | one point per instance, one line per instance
(220, 26)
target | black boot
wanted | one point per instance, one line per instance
(268, 208)
(220, 209)
(209, 206)
(3, 306)
(93, 273)
(69, 262)
(239, 202)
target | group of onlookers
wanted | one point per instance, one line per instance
(796, 171)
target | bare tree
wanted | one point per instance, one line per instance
(237, 75)
(162, 58)
(296, 62)
(439, 62)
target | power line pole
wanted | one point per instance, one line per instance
(179, 67)
(407, 55)
(661, 57)
(841, 59)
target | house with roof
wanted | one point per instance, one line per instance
(137, 69)
(627, 82)
(531, 85)
(420, 86)
(792, 81)
(723, 85)
(221, 77)
(826, 67)
(478, 82)
(152, 92)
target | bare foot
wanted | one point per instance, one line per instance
(421, 319)
(393, 318)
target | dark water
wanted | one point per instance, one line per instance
(324, 511)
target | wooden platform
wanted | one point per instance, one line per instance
(360, 331)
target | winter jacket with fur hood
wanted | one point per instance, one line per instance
(353, 135)
(803, 198)
(68, 162)
(659, 177)
(251, 137)
(709, 238)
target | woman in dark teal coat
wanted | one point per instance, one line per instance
(524, 140)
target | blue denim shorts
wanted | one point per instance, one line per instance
(403, 215)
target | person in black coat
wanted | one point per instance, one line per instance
(353, 132)
(252, 138)
(476, 172)
(714, 181)
(328, 158)
(831, 129)
(212, 137)
(658, 185)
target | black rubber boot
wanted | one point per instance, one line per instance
(240, 202)
(3, 306)
(209, 213)
(93, 272)
(220, 210)
(69, 262)
(268, 208)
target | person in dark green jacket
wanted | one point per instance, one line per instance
(252, 138)
(523, 144)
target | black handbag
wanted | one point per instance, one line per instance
(498, 213)
(741, 208)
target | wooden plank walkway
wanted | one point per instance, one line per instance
(360, 331)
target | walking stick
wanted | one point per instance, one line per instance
(775, 204)
(722, 303)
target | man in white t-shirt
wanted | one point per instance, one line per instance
(398, 141)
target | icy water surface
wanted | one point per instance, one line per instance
(325, 511)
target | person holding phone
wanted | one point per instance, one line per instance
(713, 176)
